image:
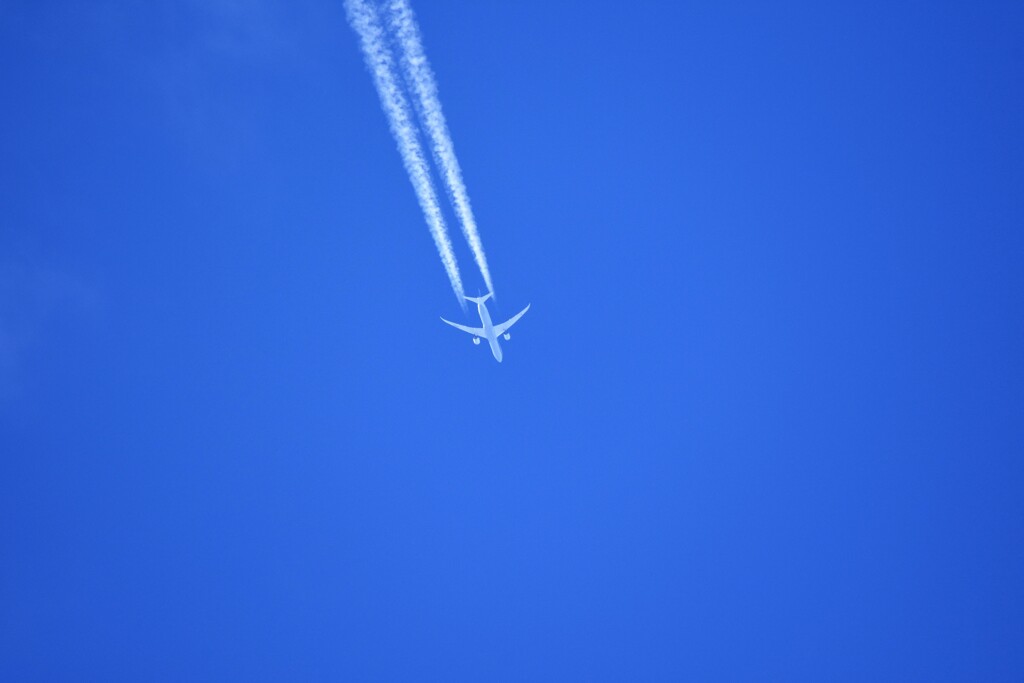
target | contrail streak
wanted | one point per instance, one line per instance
(365, 21)
(420, 79)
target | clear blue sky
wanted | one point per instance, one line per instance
(764, 419)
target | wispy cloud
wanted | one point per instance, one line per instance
(421, 80)
(365, 20)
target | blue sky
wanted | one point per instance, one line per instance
(762, 421)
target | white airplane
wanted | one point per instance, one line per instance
(489, 331)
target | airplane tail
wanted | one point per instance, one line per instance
(478, 299)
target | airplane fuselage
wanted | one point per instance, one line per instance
(492, 338)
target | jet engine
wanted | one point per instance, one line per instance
(476, 340)
(507, 336)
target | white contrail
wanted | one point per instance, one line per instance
(364, 19)
(420, 79)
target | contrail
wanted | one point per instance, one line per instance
(420, 79)
(365, 21)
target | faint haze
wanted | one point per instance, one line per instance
(32, 299)
(213, 59)
(205, 63)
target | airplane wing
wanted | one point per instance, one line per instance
(502, 328)
(478, 331)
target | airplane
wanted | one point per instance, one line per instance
(489, 331)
